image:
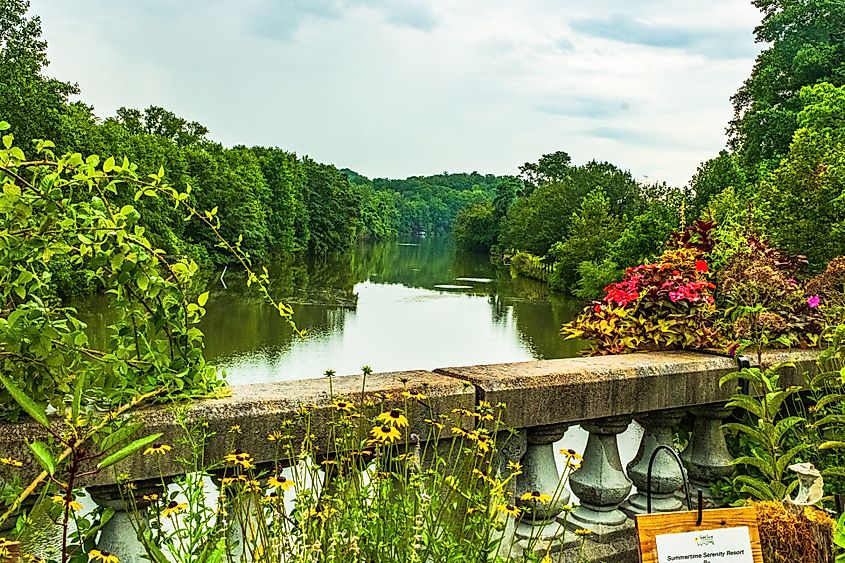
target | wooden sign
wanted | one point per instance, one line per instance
(725, 535)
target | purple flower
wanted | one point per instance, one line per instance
(813, 301)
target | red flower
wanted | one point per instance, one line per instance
(701, 266)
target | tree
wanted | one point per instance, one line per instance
(807, 47)
(803, 200)
(552, 167)
(592, 229)
(476, 227)
(713, 176)
(156, 120)
(31, 102)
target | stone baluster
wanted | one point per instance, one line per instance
(511, 449)
(537, 522)
(118, 535)
(601, 485)
(707, 457)
(666, 476)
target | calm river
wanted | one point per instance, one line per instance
(390, 305)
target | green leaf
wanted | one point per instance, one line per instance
(43, 456)
(128, 450)
(120, 435)
(7, 140)
(4, 125)
(79, 388)
(202, 299)
(108, 165)
(28, 405)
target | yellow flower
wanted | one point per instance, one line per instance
(546, 559)
(583, 532)
(271, 498)
(72, 505)
(341, 405)
(458, 431)
(11, 461)
(235, 429)
(393, 418)
(438, 425)
(383, 395)
(104, 556)
(280, 482)
(173, 508)
(151, 497)
(253, 486)
(515, 466)
(536, 496)
(240, 458)
(572, 455)
(414, 395)
(509, 509)
(274, 436)
(159, 449)
(231, 480)
(482, 440)
(385, 434)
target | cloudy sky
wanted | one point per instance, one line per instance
(406, 87)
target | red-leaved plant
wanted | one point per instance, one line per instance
(665, 305)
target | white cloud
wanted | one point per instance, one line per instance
(395, 88)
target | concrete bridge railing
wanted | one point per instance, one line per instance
(544, 398)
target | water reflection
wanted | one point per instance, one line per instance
(380, 306)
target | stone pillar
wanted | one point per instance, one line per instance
(707, 457)
(118, 535)
(539, 474)
(601, 485)
(511, 449)
(666, 476)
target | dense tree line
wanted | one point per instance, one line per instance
(274, 201)
(782, 177)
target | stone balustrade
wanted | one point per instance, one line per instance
(603, 395)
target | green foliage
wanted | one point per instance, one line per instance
(805, 47)
(476, 227)
(802, 199)
(63, 207)
(591, 231)
(713, 177)
(765, 433)
(28, 99)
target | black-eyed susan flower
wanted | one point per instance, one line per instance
(240, 458)
(173, 508)
(572, 455)
(434, 423)
(11, 461)
(385, 434)
(515, 467)
(274, 436)
(225, 481)
(104, 556)
(342, 406)
(458, 431)
(152, 497)
(270, 498)
(509, 509)
(73, 505)
(482, 440)
(393, 417)
(583, 532)
(157, 449)
(536, 496)
(414, 395)
(280, 482)
(235, 429)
